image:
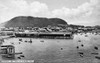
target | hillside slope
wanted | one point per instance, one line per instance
(29, 21)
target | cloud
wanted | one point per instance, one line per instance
(78, 15)
(13, 8)
(81, 14)
(82, 10)
(39, 9)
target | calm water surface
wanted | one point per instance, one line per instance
(58, 50)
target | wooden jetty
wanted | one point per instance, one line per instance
(46, 35)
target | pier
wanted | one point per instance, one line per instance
(48, 35)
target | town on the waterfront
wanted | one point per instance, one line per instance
(46, 43)
(49, 31)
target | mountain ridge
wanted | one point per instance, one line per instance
(29, 21)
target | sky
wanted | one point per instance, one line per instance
(80, 12)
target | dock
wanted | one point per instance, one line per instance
(47, 35)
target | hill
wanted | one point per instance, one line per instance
(29, 21)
